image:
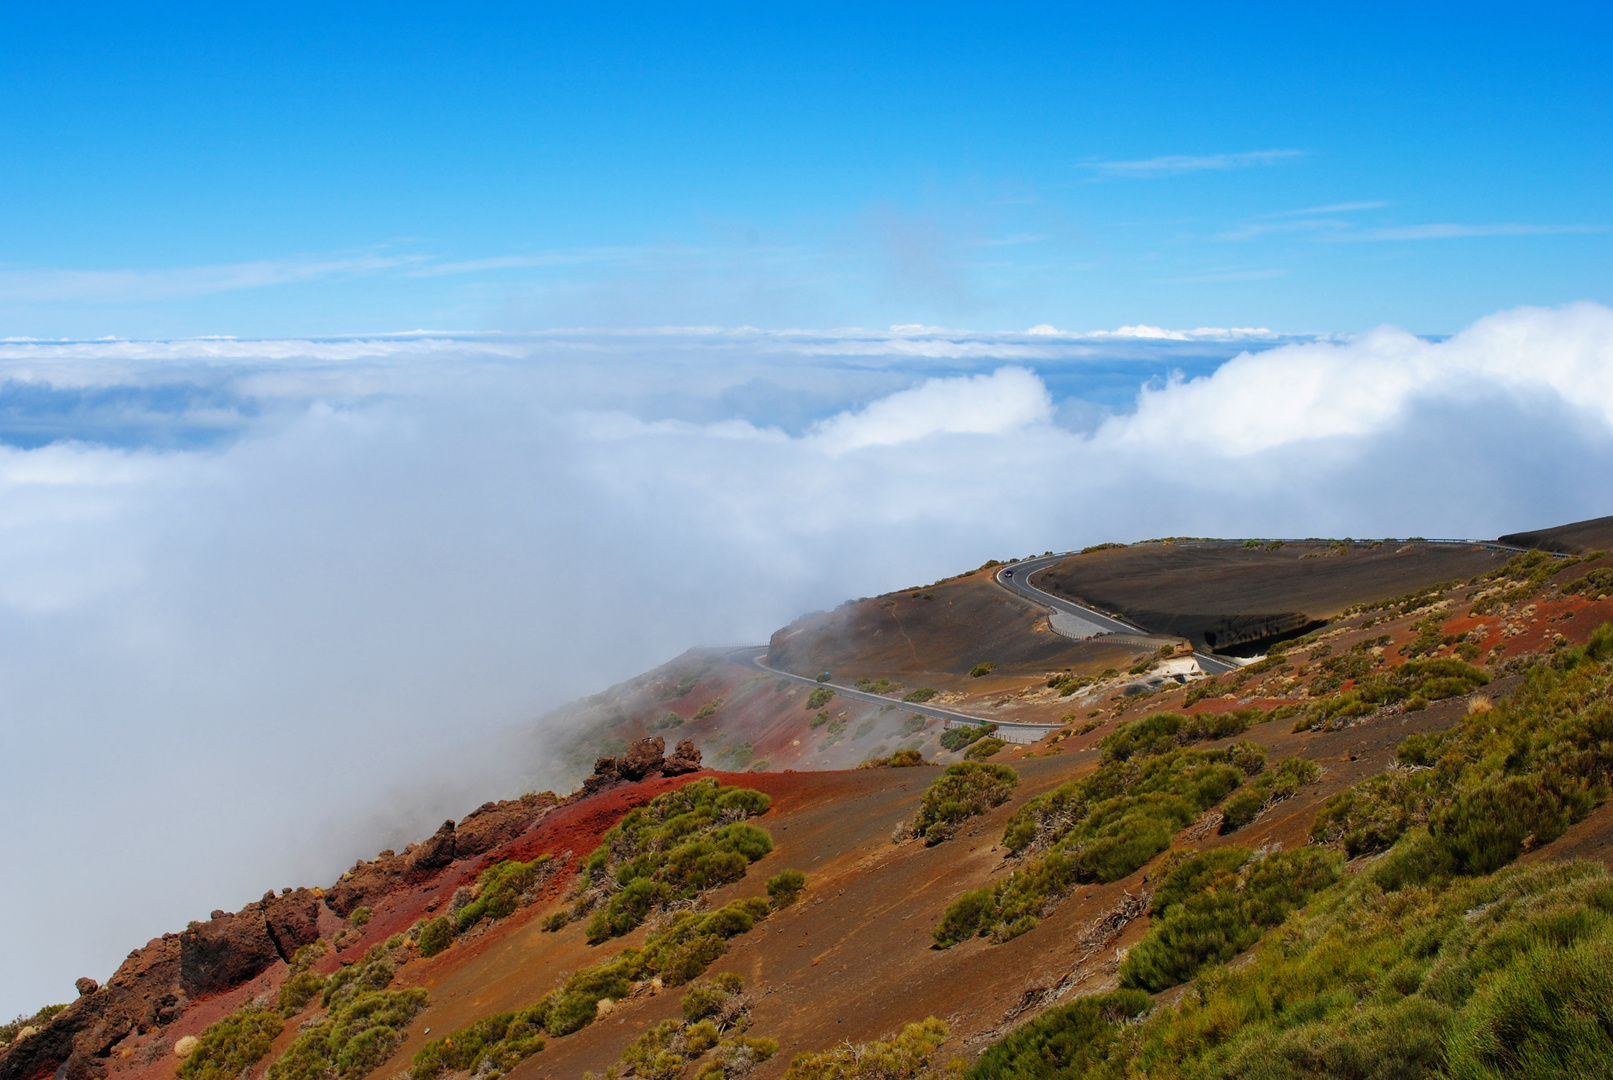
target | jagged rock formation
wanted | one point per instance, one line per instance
(644, 759)
(156, 983)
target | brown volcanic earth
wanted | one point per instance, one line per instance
(1222, 596)
(853, 959)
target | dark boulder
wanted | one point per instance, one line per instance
(432, 855)
(642, 759)
(293, 921)
(225, 951)
(685, 759)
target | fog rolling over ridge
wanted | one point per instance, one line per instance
(269, 606)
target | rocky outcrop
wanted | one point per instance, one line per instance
(644, 759)
(685, 759)
(74, 1045)
(495, 823)
(293, 920)
(368, 881)
(225, 951)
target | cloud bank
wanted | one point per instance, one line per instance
(266, 607)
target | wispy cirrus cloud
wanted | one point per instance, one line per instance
(141, 286)
(1177, 164)
(1453, 230)
(1332, 208)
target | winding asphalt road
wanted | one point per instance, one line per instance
(755, 656)
(1073, 620)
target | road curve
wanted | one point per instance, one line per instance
(755, 656)
(1073, 620)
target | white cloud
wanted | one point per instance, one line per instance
(1005, 401)
(414, 541)
(1177, 164)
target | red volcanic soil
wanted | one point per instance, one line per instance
(935, 635)
(1220, 596)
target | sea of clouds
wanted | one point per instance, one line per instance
(268, 606)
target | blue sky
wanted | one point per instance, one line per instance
(290, 171)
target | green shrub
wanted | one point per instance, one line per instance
(500, 889)
(436, 935)
(298, 990)
(360, 916)
(707, 999)
(914, 724)
(676, 847)
(956, 738)
(226, 1048)
(1161, 732)
(1494, 785)
(785, 887)
(1064, 1041)
(556, 920)
(1224, 915)
(358, 1034)
(708, 709)
(907, 1057)
(503, 1039)
(819, 697)
(1101, 827)
(959, 793)
(902, 759)
(1503, 975)
(982, 669)
(1268, 789)
(984, 748)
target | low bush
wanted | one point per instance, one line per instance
(1063, 1041)
(1509, 974)
(501, 1041)
(678, 954)
(819, 697)
(1521, 577)
(956, 738)
(1214, 911)
(501, 888)
(671, 850)
(297, 991)
(785, 887)
(1159, 732)
(982, 669)
(436, 935)
(361, 1030)
(902, 759)
(360, 916)
(1496, 784)
(877, 686)
(709, 709)
(984, 748)
(716, 1016)
(914, 724)
(557, 920)
(1101, 827)
(959, 793)
(1269, 788)
(1411, 682)
(232, 1045)
(909, 1056)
